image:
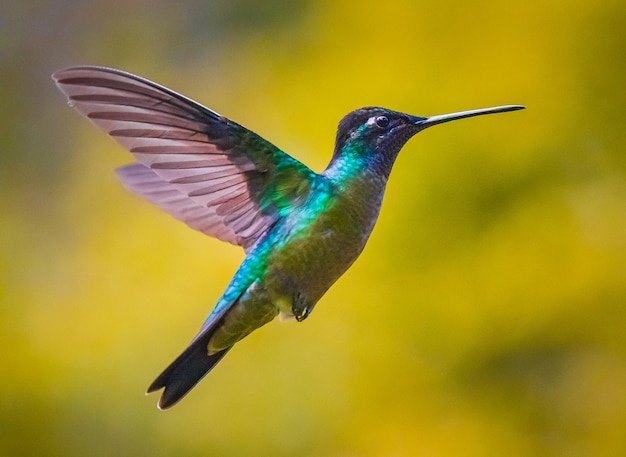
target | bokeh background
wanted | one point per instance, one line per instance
(486, 317)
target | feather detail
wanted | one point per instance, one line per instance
(205, 170)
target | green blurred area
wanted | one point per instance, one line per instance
(486, 317)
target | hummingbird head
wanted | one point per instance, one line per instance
(373, 136)
(376, 130)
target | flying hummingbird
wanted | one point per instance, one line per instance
(300, 230)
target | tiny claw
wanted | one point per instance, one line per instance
(300, 307)
(303, 314)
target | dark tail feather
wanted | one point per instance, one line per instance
(186, 371)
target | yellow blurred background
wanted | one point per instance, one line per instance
(486, 317)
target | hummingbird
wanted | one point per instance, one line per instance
(300, 230)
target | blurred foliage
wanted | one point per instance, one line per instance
(485, 318)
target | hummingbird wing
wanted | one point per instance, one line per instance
(205, 170)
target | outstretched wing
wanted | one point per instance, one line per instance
(205, 170)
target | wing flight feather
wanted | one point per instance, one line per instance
(205, 170)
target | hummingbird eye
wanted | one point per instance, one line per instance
(382, 122)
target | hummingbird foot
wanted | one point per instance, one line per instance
(301, 307)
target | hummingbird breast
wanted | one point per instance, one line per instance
(319, 241)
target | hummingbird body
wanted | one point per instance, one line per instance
(298, 261)
(301, 230)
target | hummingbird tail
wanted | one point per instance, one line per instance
(186, 371)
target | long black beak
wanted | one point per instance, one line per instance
(440, 119)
